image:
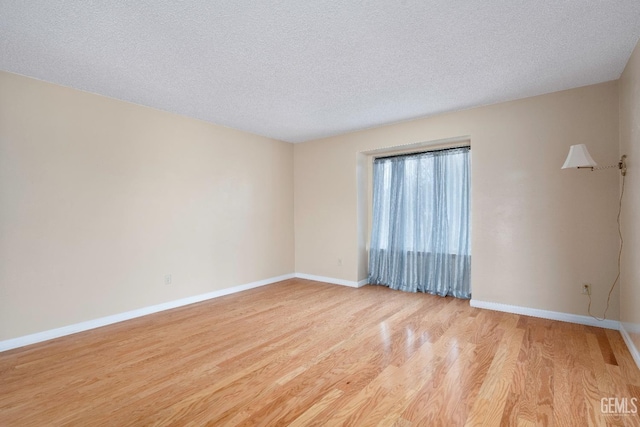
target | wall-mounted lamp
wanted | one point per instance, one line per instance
(580, 158)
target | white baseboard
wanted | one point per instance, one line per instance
(108, 320)
(545, 314)
(332, 280)
(635, 352)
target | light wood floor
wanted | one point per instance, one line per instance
(304, 353)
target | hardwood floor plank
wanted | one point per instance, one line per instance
(607, 352)
(306, 353)
(308, 415)
(627, 365)
(489, 404)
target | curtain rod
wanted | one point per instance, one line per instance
(417, 153)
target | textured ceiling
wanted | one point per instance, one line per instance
(299, 70)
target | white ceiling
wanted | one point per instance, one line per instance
(300, 70)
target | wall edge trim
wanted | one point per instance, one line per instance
(363, 282)
(50, 334)
(546, 314)
(332, 280)
(635, 352)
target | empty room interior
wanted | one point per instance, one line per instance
(417, 213)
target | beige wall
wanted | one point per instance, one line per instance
(630, 145)
(538, 231)
(99, 199)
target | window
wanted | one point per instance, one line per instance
(420, 240)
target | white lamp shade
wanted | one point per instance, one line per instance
(579, 157)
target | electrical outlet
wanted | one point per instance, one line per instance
(167, 279)
(586, 289)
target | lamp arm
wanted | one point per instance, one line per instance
(622, 165)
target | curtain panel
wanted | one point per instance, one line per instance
(420, 240)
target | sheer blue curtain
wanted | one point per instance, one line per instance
(420, 240)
